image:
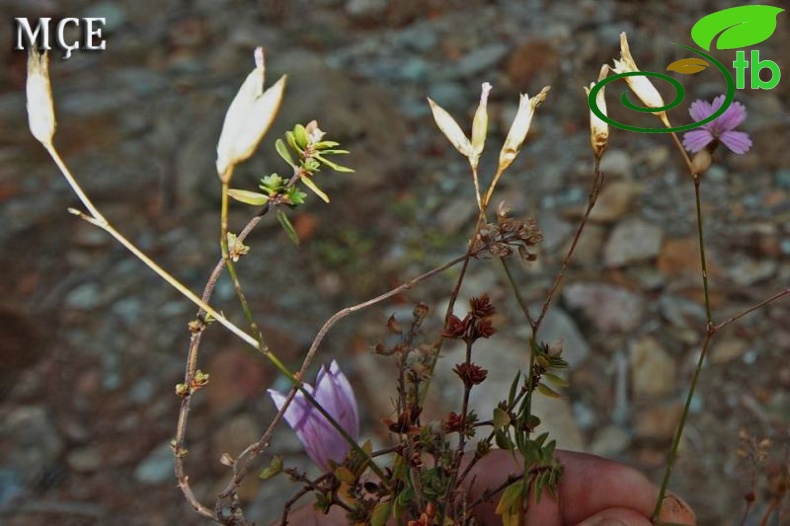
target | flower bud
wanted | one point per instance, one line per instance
(639, 84)
(520, 127)
(248, 118)
(40, 109)
(599, 128)
(701, 162)
(480, 122)
(321, 440)
(451, 130)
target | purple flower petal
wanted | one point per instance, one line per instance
(695, 140)
(700, 109)
(321, 440)
(737, 142)
(732, 117)
(716, 104)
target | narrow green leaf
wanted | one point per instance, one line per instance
(556, 380)
(247, 197)
(312, 186)
(511, 496)
(274, 468)
(548, 391)
(321, 145)
(512, 394)
(282, 149)
(334, 166)
(288, 227)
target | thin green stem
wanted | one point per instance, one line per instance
(679, 431)
(245, 306)
(703, 259)
(709, 332)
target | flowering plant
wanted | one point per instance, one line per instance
(431, 476)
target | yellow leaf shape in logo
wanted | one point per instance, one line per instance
(688, 66)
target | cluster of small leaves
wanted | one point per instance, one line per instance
(306, 152)
(507, 235)
(514, 424)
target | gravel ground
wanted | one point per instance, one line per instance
(91, 343)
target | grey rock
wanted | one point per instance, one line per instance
(366, 9)
(449, 95)
(749, 271)
(157, 467)
(617, 163)
(609, 307)
(84, 460)
(481, 59)
(653, 370)
(632, 241)
(114, 14)
(11, 486)
(610, 441)
(35, 441)
(419, 37)
(681, 312)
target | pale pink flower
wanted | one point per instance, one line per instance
(320, 439)
(721, 129)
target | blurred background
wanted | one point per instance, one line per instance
(92, 343)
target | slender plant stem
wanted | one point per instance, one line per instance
(703, 259)
(591, 200)
(245, 306)
(760, 305)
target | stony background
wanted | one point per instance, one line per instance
(91, 344)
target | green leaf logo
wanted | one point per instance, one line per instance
(688, 66)
(736, 27)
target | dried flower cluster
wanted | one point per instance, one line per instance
(476, 324)
(500, 239)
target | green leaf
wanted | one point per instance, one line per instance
(288, 227)
(556, 380)
(501, 418)
(291, 138)
(548, 391)
(688, 66)
(512, 394)
(274, 468)
(295, 196)
(503, 441)
(247, 197)
(381, 512)
(282, 149)
(271, 184)
(510, 503)
(312, 186)
(322, 145)
(741, 26)
(300, 134)
(334, 166)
